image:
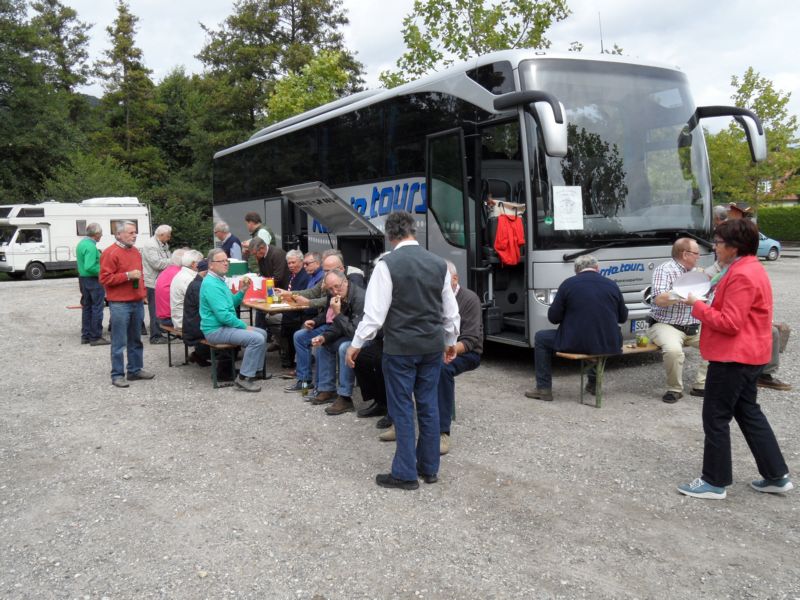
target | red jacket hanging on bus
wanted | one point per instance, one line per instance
(509, 238)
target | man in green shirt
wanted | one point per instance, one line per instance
(92, 293)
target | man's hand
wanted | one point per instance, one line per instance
(691, 299)
(245, 247)
(317, 340)
(336, 305)
(244, 283)
(135, 274)
(350, 357)
(449, 354)
(309, 324)
(299, 300)
(664, 300)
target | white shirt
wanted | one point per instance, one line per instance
(177, 293)
(379, 299)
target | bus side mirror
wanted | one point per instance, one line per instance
(749, 121)
(554, 133)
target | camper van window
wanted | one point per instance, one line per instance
(31, 212)
(80, 226)
(115, 221)
(6, 233)
(29, 236)
(5, 211)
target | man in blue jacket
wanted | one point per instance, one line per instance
(587, 309)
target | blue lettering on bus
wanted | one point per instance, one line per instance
(386, 200)
(317, 227)
(622, 268)
(387, 197)
(359, 204)
(376, 195)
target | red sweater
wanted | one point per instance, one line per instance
(115, 262)
(737, 327)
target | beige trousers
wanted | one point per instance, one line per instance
(671, 341)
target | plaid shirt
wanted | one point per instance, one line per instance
(663, 279)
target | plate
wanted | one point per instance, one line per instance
(693, 282)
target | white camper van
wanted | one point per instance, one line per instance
(36, 238)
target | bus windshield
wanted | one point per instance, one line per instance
(633, 168)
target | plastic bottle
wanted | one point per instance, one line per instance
(270, 290)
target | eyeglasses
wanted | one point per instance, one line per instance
(692, 252)
(311, 262)
(221, 260)
(717, 242)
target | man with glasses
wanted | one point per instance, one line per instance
(312, 263)
(672, 326)
(220, 324)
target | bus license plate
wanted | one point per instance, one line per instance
(639, 325)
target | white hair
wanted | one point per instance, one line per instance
(92, 229)
(587, 261)
(177, 256)
(162, 229)
(294, 254)
(191, 256)
(222, 226)
(451, 267)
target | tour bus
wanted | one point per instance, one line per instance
(596, 155)
(36, 238)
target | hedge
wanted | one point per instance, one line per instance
(780, 222)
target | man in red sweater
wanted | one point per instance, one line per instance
(121, 274)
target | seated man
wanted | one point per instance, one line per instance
(347, 307)
(369, 375)
(179, 285)
(220, 324)
(162, 285)
(271, 261)
(292, 321)
(672, 325)
(587, 309)
(190, 321)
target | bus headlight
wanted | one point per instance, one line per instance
(545, 296)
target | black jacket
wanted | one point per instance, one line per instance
(345, 323)
(192, 334)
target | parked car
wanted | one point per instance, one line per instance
(768, 248)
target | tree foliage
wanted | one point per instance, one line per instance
(439, 32)
(62, 44)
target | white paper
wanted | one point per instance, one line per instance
(696, 283)
(567, 207)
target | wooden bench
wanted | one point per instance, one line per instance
(599, 362)
(231, 350)
(175, 333)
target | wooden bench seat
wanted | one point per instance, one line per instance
(599, 362)
(230, 349)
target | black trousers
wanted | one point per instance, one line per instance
(369, 372)
(731, 394)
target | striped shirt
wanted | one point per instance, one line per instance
(663, 279)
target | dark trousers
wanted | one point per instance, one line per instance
(92, 300)
(731, 394)
(408, 378)
(544, 347)
(369, 372)
(447, 385)
(155, 330)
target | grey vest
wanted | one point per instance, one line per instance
(414, 323)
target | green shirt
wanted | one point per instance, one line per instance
(88, 258)
(218, 305)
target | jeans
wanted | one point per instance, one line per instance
(302, 349)
(731, 394)
(415, 375)
(447, 385)
(92, 300)
(327, 357)
(544, 347)
(254, 342)
(126, 333)
(155, 330)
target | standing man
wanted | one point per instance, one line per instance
(121, 274)
(672, 325)
(156, 258)
(410, 296)
(252, 221)
(228, 242)
(92, 294)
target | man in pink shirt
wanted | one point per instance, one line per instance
(163, 281)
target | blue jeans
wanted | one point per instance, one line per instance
(254, 342)
(126, 333)
(155, 330)
(544, 346)
(447, 385)
(327, 357)
(302, 350)
(92, 298)
(416, 375)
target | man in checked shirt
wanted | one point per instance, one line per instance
(671, 323)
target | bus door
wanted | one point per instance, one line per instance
(449, 232)
(273, 218)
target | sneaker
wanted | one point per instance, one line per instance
(444, 443)
(390, 435)
(700, 489)
(386, 480)
(247, 384)
(773, 383)
(591, 388)
(698, 392)
(537, 394)
(120, 382)
(298, 386)
(773, 486)
(672, 397)
(99, 342)
(140, 374)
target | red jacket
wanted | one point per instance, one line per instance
(509, 238)
(737, 327)
(115, 262)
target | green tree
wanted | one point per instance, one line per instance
(88, 176)
(322, 80)
(734, 177)
(439, 32)
(63, 40)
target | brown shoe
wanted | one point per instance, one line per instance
(773, 383)
(323, 398)
(543, 394)
(390, 435)
(342, 405)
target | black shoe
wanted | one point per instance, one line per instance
(84, 341)
(373, 410)
(159, 340)
(99, 342)
(384, 422)
(699, 392)
(263, 375)
(429, 478)
(386, 480)
(591, 388)
(672, 397)
(142, 374)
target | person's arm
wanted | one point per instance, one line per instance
(376, 305)
(222, 310)
(471, 325)
(109, 275)
(153, 259)
(731, 305)
(662, 286)
(622, 309)
(264, 235)
(236, 251)
(555, 314)
(450, 317)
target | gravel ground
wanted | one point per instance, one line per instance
(171, 489)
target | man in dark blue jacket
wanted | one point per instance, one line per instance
(587, 309)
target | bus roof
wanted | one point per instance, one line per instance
(430, 82)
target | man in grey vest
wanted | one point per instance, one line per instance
(410, 296)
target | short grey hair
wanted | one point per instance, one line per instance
(222, 226)
(315, 256)
(177, 256)
(162, 229)
(587, 261)
(333, 252)
(294, 254)
(720, 213)
(191, 256)
(121, 225)
(399, 225)
(339, 275)
(92, 229)
(213, 252)
(256, 244)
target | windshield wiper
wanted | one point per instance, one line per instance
(699, 240)
(573, 255)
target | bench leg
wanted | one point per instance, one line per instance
(169, 348)
(600, 368)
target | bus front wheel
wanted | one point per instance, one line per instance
(34, 271)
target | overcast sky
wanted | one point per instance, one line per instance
(709, 39)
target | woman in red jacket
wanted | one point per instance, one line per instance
(736, 339)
